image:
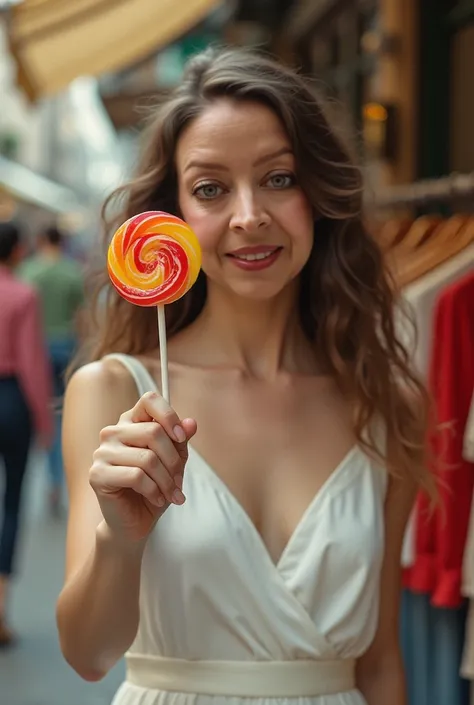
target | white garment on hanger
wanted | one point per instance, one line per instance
(468, 444)
(421, 298)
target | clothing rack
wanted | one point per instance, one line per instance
(415, 246)
(455, 187)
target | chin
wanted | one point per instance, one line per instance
(261, 291)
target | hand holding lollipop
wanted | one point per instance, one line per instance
(154, 258)
(138, 468)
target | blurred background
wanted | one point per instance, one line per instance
(77, 79)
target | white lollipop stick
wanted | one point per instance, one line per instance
(165, 385)
(153, 259)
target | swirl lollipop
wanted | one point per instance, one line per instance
(154, 258)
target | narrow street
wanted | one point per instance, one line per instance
(34, 672)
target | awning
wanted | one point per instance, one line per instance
(55, 41)
(33, 188)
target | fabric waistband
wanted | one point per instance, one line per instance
(253, 679)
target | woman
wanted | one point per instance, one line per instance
(24, 398)
(265, 582)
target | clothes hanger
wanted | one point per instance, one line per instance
(421, 230)
(436, 237)
(393, 231)
(453, 237)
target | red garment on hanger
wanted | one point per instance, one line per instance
(441, 536)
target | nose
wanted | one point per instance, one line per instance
(248, 214)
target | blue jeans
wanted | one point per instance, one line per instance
(432, 641)
(16, 432)
(60, 355)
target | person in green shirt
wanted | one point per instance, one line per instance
(60, 285)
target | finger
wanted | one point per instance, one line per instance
(152, 435)
(152, 406)
(118, 477)
(150, 463)
(190, 428)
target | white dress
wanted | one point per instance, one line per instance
(213, 600)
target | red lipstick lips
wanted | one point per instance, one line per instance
(255, 258)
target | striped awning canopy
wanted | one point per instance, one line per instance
(55, 41)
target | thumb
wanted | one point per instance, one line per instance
(190, 428)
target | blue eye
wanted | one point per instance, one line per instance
(206, 192)
(281, 181)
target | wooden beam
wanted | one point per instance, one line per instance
(307, 14)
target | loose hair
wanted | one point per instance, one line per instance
(53, 236)
(9, 240)
(347, 300)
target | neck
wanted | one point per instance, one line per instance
(50, 251)
(260, 338)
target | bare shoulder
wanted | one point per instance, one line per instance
(106, 384)
(96, 396)
(105, 373)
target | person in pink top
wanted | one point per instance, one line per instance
(25, 384)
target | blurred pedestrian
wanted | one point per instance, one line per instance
(24, 397)
(59, 282)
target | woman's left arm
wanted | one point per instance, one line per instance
(380, 673)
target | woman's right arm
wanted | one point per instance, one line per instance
(122, 471)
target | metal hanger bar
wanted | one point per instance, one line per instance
(443, 190)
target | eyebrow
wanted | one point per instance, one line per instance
(220, 167)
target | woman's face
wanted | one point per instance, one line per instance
(238, 191)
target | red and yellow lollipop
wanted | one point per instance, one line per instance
(154, 258)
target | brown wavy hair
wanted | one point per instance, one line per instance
(347, 301)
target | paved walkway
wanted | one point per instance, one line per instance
(34, 672)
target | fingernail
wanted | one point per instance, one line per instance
(160, 502)
(179, 434)
(178, 481)
(178, 497)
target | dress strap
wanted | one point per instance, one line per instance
(140, 374)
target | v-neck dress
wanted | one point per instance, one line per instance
(211, 595)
